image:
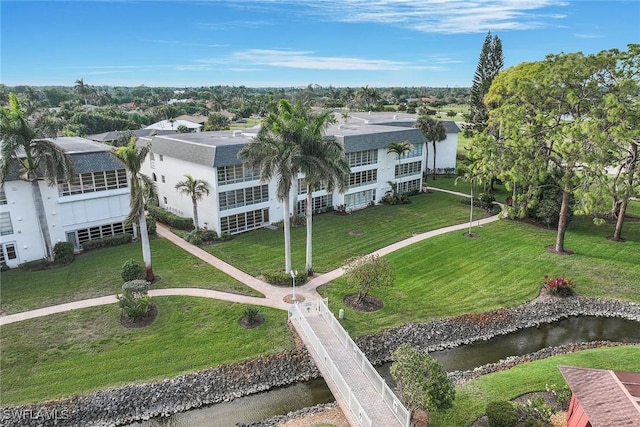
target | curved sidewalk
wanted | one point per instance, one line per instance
(275, 296)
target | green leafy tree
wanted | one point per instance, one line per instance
(399, 149)
(82, 90)
(548, 117)
(142, 190)
(422, 380)
(27, 149)
(197, 189)
(434, 131)
(216, 121)
(367, 273)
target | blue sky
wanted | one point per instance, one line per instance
(285, 43)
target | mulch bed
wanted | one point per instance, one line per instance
(128, 322)
(369, 304)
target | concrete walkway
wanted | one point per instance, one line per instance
(275, 296)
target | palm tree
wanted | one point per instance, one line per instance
(142, 190)
(276, 153)
(82, 90)
(399, 149)
(35, 156)
(434, 131)
(196, 189)
(322, 162)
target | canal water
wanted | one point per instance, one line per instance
(286, 399)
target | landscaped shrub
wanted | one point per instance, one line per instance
(251, 314)
(63, 253)
(132, 306)
(562, 395)
(115, 240)
(501, 414)
(36, 265)
(131, 270)
(151, 226)
(537, 412)
(202, 236)
(559, 286)
(170, 219)
(280, 278)
(193, 237)
(137, 287)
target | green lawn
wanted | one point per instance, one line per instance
(505, 266)
(85, 350)
(97, 273)
(338, 238)
(472, 397)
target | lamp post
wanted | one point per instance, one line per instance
(293, 279)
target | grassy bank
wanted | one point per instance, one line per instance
(85, 350)
(97, 273)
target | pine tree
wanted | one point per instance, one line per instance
(490, 64)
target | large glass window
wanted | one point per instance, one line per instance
(233, 224)
(94, 181)
(357, 179)
(405, 169)
(236, 173)
(243, 197)
(102, 231)
(408, 186)
(361, 158)
(5, 224)
(319, 203)
(3, 196)
(416, 151)
(360, 199)
(302, 187)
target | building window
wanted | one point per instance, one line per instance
(164, 199)
(416, 151)
(3, 196)
(103, 231)
(233, 224)
(361, 158)
(151, 156)
(94, 181)
(154, 177)
(243, 197)
(236, 173)
(357, 179)
(8, 252)
(5, 224)
(408, 186)
(405, 169)
(302, 187)
(162, 178)
(161, 158)
(319, 203)
(360, 199)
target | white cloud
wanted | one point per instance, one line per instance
(306, 60)
(437, 16)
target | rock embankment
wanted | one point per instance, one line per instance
(136, 402)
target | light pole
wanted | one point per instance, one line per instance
(293, 279)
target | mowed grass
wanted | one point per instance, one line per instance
(472, 398)
(98, 273)
(85, 350)
(505, 266)
(336, 238)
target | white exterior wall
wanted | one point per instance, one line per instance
(64, 214)
(446, 152)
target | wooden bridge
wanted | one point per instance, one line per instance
(363, 395)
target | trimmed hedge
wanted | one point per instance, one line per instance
(115, 240)
(170, 219)
(280, 278)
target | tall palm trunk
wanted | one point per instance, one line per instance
(42, 218)
(309, 218)
(434, 161)
(287, 234)
(196, 223)
(146, 248)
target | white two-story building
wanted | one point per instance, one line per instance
(239, 201)
(94, 205)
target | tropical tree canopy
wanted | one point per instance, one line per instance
(196, 189)
(434, 131)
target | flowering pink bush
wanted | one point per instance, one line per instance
(559, 286)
